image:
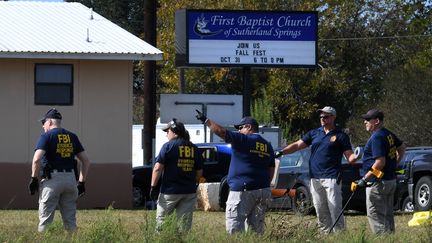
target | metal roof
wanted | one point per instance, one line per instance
(63, 30)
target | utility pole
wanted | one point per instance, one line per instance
(148, 133)
(247, 90)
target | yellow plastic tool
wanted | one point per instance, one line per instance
(400, 172)
(353, 186)
(377, 173)
(421, 218)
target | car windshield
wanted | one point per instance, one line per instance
(293, 159)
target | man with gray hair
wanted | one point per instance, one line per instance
(328, 144)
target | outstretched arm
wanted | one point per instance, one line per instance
(214, 127)
(291, 148)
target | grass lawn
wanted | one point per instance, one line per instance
(113, 225)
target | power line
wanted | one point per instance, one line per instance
(377, 37)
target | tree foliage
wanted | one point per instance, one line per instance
(262, 111)
(405, 102)
(358, 49)
(370, 53)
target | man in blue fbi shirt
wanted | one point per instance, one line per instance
(328, 144)
(250, 172)
(382, 152)
(55, 155)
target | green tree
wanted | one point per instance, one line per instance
(357, 50)
(367, 50)
(405, 102)
(262, 110)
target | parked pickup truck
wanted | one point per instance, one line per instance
(419, 172)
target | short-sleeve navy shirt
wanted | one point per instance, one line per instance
(326, 152)
(382, 143)
(60, 146)
(181, 160)
(251, 158)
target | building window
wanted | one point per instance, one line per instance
(53, 84)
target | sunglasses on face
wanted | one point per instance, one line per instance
(241, 127)
(324, 117)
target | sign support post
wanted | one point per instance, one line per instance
(246, 90)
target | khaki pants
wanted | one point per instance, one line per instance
(246, 209)
(61, 190)
(379, 206)
(183, 204)
(327, 200)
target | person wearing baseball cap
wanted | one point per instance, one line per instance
(179, 165)
(53, 114)
(250, 172)
(329, 110)
(328, 143)
(373, 114)
(54, 155)
(382, 152)
(247, 121)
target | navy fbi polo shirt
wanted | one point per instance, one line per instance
(181, 160)
(381, 143)
(251, 158)
(326, 152)
(60, 146)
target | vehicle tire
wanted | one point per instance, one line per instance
(138, 197)
(302, 202)
(422, 194)
(223, 193)
(407, 205)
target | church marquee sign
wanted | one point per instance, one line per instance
(246, 38)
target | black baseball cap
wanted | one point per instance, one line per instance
(52, 114)
(372, 114)
(247, 120)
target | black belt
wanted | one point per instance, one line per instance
(244, 189)
(62, 170)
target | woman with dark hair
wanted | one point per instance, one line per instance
(178, 164)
